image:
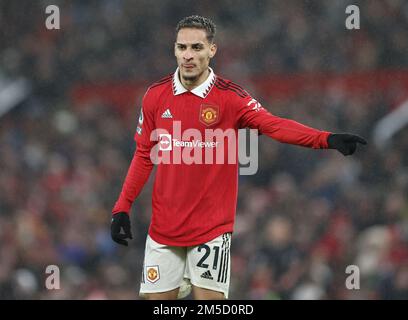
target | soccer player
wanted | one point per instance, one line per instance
(194, 202)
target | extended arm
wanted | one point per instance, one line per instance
(253, 115)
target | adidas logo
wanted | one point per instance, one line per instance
(207, 275)
(167, 114)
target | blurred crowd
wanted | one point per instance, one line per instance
(301, 220)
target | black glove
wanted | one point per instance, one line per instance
(121, 220)
(345, 143)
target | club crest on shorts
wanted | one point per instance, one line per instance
(152, 273)
(209, 114)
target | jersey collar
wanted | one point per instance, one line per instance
(201, 91)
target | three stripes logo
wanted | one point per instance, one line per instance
(222, 84)
(224, 264)
(167, 114)
(207, 275)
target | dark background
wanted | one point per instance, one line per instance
(66, 144)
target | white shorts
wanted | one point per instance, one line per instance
(206, 266)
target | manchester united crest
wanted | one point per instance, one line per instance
(209, 114)
(152, 273)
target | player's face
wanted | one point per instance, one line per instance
(193, 53)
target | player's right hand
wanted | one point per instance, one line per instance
(121, 220)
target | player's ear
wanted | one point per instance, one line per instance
(213, 50)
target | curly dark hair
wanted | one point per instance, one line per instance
(198, 22)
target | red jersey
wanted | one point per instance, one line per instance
(195, 190)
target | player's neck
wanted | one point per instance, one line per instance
(191, 84)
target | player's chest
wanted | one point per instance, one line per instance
(190, 112)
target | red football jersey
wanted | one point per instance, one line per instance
(196, 184)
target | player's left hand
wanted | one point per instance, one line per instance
(121, 220)
(345, 143)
